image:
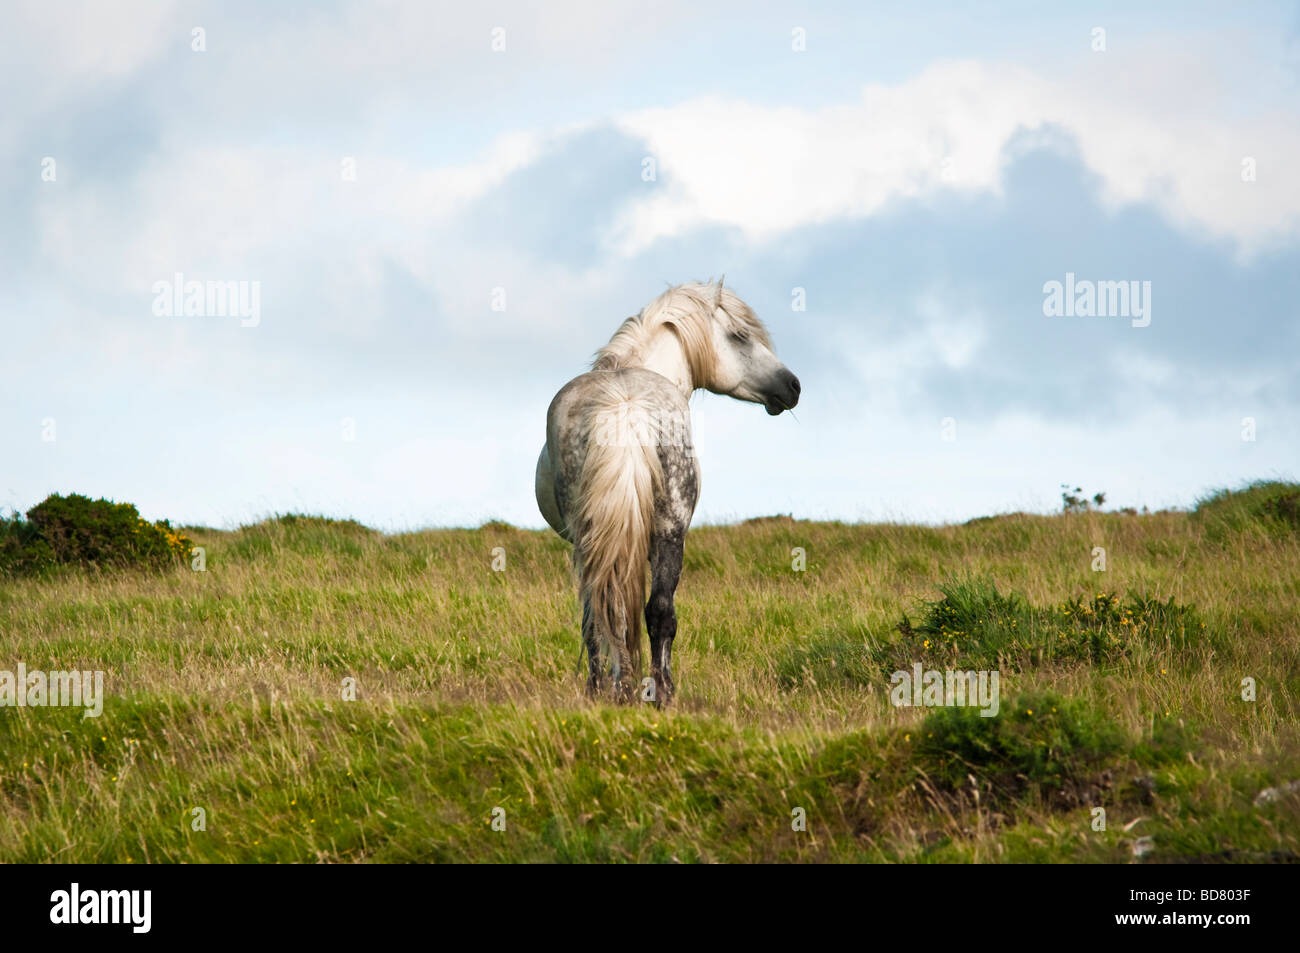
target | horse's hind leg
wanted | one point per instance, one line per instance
(660, 614)
(596, 674)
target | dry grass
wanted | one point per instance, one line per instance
(225, 694)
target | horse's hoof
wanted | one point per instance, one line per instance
(665, 689)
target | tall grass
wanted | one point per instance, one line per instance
(1122, 690)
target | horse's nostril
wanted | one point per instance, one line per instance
(794, 385)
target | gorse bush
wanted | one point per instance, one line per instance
(76, 530)
(974, 625)
(1106, 623)
(22, 550)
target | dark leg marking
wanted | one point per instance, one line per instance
(595, 676)
(660, 614)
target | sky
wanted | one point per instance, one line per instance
(440, 211)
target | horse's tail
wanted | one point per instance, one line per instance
(614, 516)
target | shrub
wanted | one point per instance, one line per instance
(1038, 739)
(972, 625)
(22, 550)
(303, 534)
(1284, 506)
(1268, 507)
(1079, 504)
(76, 530)
(1108, 624)
(975, 626)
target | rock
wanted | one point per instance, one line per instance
(1269, 795)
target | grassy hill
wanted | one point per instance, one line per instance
(1120, 689)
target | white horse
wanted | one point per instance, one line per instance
(618, 477)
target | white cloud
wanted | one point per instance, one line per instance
(245, 181)
(53, 53)
(77, 42)
(767, 169)
(889, 353)
(201, 204)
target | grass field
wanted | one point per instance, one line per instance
(1120, 689)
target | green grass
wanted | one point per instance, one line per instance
(1120, 690)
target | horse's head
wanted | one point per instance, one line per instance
(745, 366)
(702, 335)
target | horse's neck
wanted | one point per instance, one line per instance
(663, 355)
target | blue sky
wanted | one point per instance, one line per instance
(920, 172)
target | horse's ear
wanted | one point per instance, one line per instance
(717, 295)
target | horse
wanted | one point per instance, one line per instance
(618, 476)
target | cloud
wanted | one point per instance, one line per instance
(768, 169)
(921, 217)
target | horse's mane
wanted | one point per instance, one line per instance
(686, 310)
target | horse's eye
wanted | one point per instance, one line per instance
(740, 335)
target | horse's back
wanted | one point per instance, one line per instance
(629, 395)
(638, 381)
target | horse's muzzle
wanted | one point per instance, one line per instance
(784, 395)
